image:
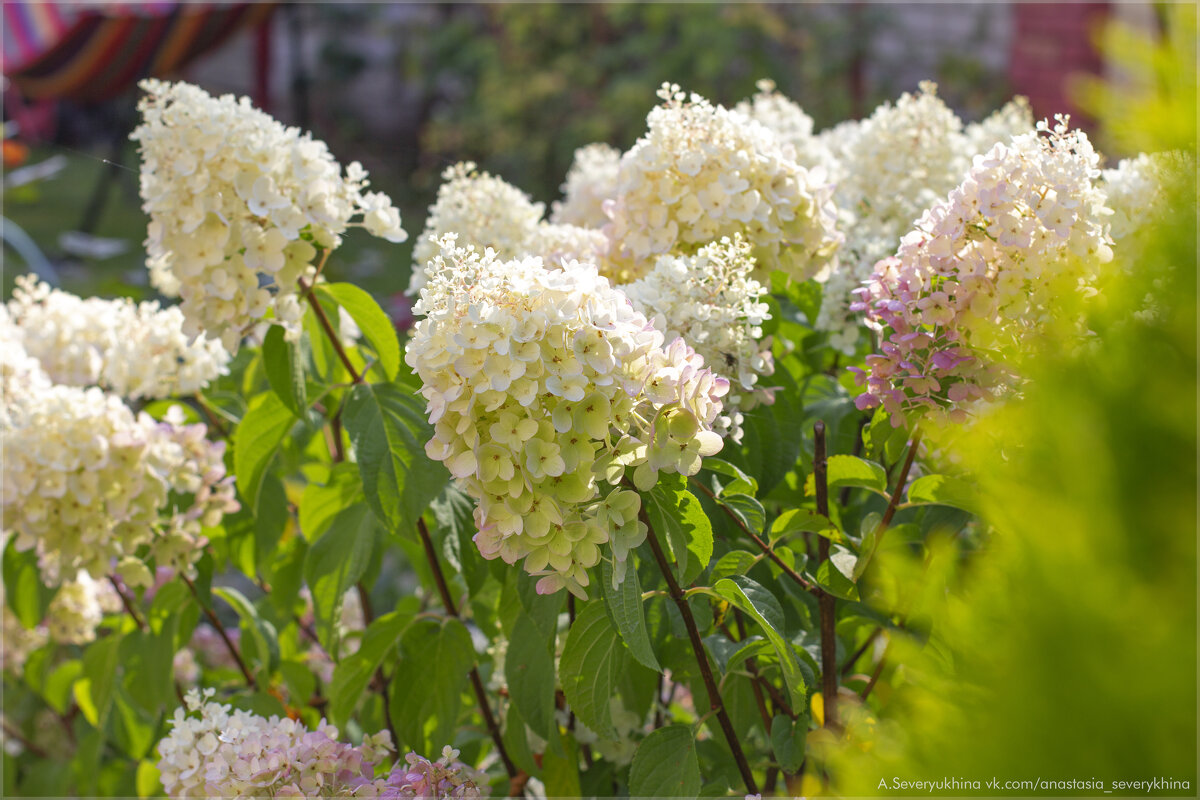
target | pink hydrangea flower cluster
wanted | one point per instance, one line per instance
(446, 777)
(981, 272)
(215, 751)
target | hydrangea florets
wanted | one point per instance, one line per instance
(787, 120)
(238, 205)
(1012, 119)
(87, 482)
(981, 272)
(227, 753)
(591, 182)
(541, 383)
(901, 160)
(78, 607)
(135, 350)
(483, 210)
(702, 172)
(712, 301)
(1136, 190)
(445, 778)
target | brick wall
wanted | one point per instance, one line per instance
(1052, 41)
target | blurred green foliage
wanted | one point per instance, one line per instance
(1067, 649)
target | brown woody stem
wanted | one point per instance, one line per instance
(476, 682)
(710, 684)
(826, 603)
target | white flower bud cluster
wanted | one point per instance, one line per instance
(87, 483)
(540, 383)
(136, 350)
(787, 120)
(901, 160)
(1012, 119)
(713, 303)
(702, 172)
(591, 182)
(228, 753)
(1135, 193)
(484, 210)
(237, 203)
(977, 274)
(78, 607)
(560, 243)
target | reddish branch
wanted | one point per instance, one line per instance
(710, 684)
(826, 603)
(476, 682)
(315, 304)
(754, 537)
(216, 623)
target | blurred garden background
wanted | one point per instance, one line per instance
(408, 89)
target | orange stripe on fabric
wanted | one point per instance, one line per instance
(77, 71)
(178, 43)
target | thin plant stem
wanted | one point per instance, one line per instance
(381, 680)
(874, 676)
(710, 684)
(754, 537)
(322, 318)
(826, 602)
(216, 623)
(753, 669)
(127, 601)
(894, 500)
(214, 421)
(12, 732)
(848, 666)
(476, 681)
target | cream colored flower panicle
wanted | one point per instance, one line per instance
(702, 172)
(541, 385)
(591, 182)
(136, 350)
(78, 607)
(1014, 118)
(483, 210)
(87, 483)
(787, 120)
(981, 272)
(1136, 189)
(216, 751)
(712, 301)
(238, 205)
(901, 160)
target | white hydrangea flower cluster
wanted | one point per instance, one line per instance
(702, 172)
(238, 204)
(1135, 193)
(787, 120)
(1012, 119)
(78, 607)
(713, 303)
(980, 271)
(136, 350)
(901, 160)
(87, 483)
(484, 210)
(560, 243)
(591, 182)
(228, 753)
(540, 382)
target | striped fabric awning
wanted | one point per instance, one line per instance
(92, 52)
